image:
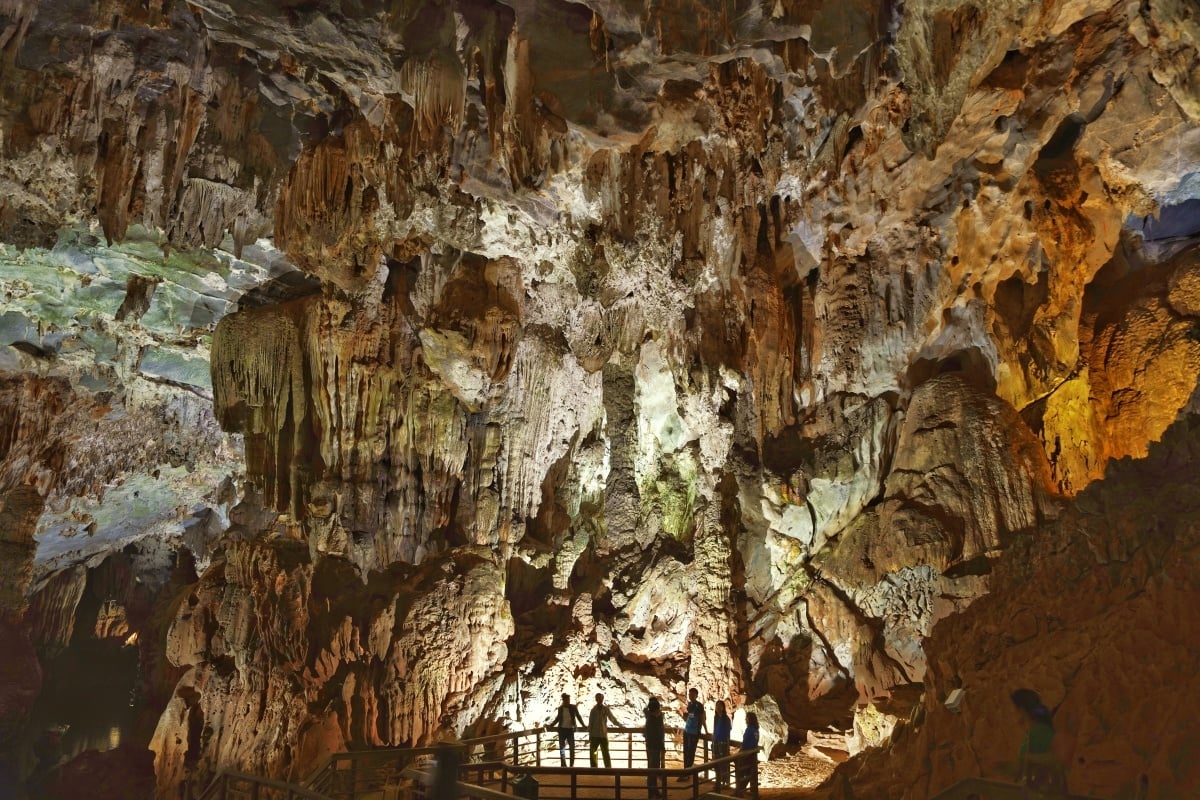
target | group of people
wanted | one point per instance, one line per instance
(695, 725)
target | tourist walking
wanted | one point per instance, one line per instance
(722, 727)
(656, 745)
(747, 766)
(598, 721)
(564, 723)
(694, 724)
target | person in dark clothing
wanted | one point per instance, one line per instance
(747, 767)
(564, 723)
(694, 723)
(1037, 768)
(444, 783)
(655, 747)
(722, 727)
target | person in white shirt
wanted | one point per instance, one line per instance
(564, 723)
(598, 730)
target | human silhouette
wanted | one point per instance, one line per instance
(747, 767)
(564, 723)
(694, 724)
(598, 721)
(444, 781)
(1037, 768)
(655, 747)
(722, 727)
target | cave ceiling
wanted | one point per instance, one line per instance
(478, 350)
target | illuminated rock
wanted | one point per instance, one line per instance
(639, 347)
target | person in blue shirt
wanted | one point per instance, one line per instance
(747, 768)
(694, 724)
(722, 727)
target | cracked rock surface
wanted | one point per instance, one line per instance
(473, 352)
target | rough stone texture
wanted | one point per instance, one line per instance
(119, 774)
(266, 628)
(718, 345)
(1093, 612)
(20, 680)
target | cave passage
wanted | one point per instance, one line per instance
(91, 689)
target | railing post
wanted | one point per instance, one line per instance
(353, 778)
(516, 756)
(574, 786)
(538, 746)
(617, 787)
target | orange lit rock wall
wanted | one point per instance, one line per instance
(1091, 613)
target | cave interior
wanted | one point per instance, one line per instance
(373, 372)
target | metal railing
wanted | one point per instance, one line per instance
(349, 774)
(232, 785)
(570, 783)
(567, 783)
(626, 746)
(495, 764)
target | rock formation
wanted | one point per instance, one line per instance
(1092, 612)
(740, 345)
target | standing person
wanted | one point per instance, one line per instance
(598, 721)
(1038, 769)
(564, 723)
(722, 727)
(694, 723)
(656, 745)
(443, 784)
(747, 766)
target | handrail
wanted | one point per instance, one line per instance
(351, 773)
(465, 789)
(672, 771)
(328, 766)
(361, 767)
(662, 773)
(220, 787)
